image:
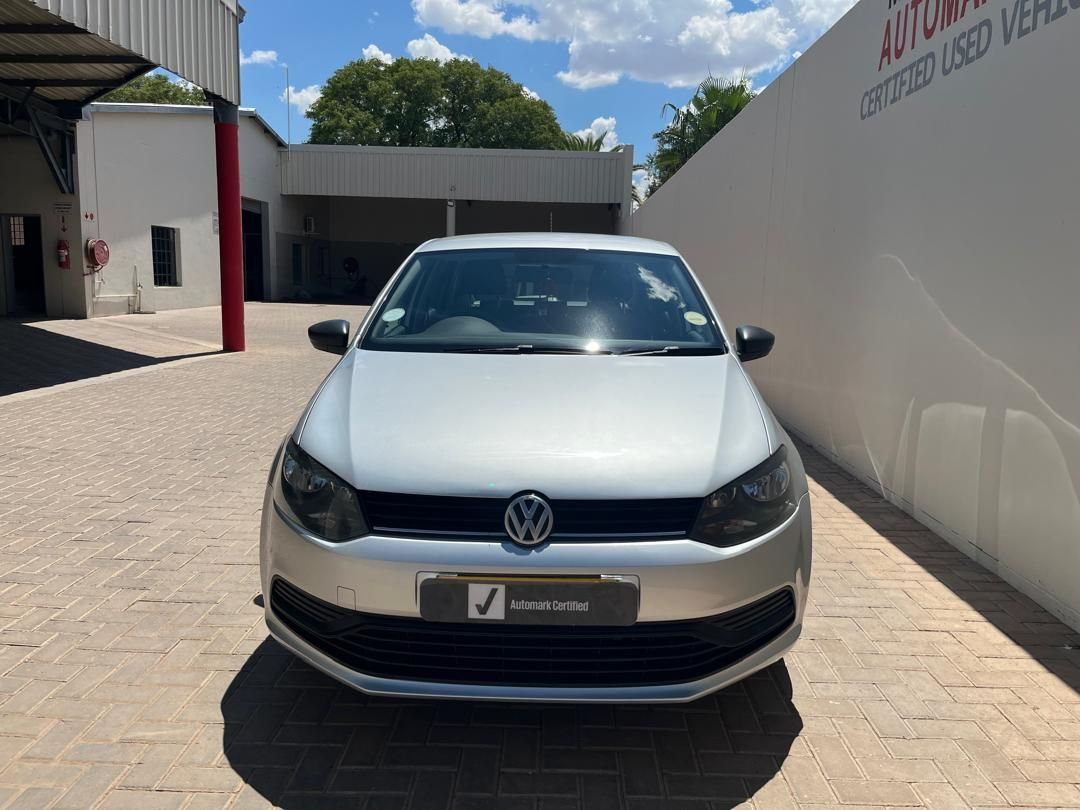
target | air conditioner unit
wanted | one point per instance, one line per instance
(309, 224)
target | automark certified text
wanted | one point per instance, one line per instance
(550, 605)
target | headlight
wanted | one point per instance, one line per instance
(317, 499)
(749, 506)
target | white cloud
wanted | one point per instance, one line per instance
(428, 47)
(259, 58)
(602, 126)
(641, 182)
(302, 98)
(821, 14)
(673, 42)
(373, 51)
(479, 18)
(525, 91)
(588, 79)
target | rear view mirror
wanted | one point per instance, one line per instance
(330, 336)
(752, 342)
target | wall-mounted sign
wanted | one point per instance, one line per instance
(910, 24)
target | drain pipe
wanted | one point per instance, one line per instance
(134, 298)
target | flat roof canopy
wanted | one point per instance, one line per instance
(498, 175)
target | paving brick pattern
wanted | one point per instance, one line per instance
(135, 669)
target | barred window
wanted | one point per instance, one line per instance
(18, 231)
(163, 249)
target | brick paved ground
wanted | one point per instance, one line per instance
(135, 669)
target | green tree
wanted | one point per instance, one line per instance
(422, 102)
(156, 88)
(713, 106)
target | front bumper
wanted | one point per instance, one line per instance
(678, 580)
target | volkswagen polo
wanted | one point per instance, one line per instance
(539, 471)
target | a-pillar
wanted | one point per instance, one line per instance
(230, 226)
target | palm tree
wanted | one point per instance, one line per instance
(572, 142)
(713, 106)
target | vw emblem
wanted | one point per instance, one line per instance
(529, 519)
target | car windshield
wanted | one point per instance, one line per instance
(544, 300)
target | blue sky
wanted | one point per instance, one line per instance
(591, 59)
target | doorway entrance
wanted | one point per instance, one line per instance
(254, 289)
(22, 266)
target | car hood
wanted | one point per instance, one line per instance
(567, 426)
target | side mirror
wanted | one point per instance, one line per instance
(752, 342)
(330, 336)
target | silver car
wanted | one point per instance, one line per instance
(538, 472)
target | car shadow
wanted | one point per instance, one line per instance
(302, 740)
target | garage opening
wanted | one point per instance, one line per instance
(254, 289)
(22, 266)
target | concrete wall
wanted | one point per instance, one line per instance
(29, 189)
(137, 170)
(907, 228)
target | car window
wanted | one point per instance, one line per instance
(544, 300)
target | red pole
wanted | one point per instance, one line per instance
(230, 233)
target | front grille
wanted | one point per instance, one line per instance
(483, 517)
(646, 654)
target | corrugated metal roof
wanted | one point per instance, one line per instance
(195, 39)
(521, 175)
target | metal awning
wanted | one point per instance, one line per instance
(57, 61)
(58, 55)
(71, 53)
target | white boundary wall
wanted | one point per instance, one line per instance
(920, 267)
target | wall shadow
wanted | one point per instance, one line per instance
(1033, 628)
(32, 358)
(302, 740)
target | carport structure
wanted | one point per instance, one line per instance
(55, 57)
(365, 208)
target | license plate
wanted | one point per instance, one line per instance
(550, 601)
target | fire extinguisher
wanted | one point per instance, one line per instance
(63, 254)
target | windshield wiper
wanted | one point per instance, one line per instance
(656, 350)
(524, 348)
(672, 350)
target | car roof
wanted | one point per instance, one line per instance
(583, 241)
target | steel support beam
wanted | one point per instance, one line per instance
(23, 116)
(71, 59)
(42, 28)
(88, 82)
(60, 166)
(230, 224)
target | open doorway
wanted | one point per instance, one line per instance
(22, 266)
(254, 288)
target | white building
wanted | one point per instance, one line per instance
(318, 221)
